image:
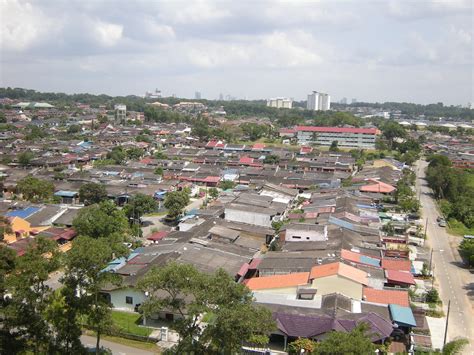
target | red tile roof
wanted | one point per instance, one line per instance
(338, 129)
(246, 160)
(386, 296)
(377, 186)
(399, 277)
(258, 146)
(158, 235)
(396, 264)
(278, 281)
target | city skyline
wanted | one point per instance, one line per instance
(376, 51)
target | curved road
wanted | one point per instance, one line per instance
(455, 282)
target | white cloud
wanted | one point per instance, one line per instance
(107, 34)
(193, 12)
(23, 25)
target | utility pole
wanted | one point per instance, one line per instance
(447, 321)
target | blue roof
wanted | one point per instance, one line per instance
(24, 213)
(370, 261)
(402, 315)
(64, 193)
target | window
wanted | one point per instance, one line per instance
(128, 300)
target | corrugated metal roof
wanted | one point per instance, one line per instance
(23, 213)
(402, 315)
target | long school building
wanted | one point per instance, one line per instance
(363, 138)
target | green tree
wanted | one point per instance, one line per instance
(334, 147)
(438, 160)
(91, 193)
(466, 249)
(175, 202)
(271, 159)
(432, 296)
(455, 346)
(213, 192)
(24, 158)
(139, 205)
(5, 227)
(226, 184)
(73, 129)
(34, 189)
(356, 342)
(117, 155)
(84, 265)
(103, 220)
(8, 339)
(159, 171)
(302, 346)
(29, 296)
(392, 130)
(3, 119)
(190, 293)
(135, 153)
(254, 131)
(160, 155)
(62, 313)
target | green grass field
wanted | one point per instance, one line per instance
(128, 323)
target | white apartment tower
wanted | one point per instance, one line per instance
(120, 112)
(318, 101)
(280, 102)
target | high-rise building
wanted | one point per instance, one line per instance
(344, 100)
(120, 112)
(221, 97)
(354, 101)
(153, 95)
(318, 101)
(280, 102)
(197, 95)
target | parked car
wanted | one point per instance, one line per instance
(442, 222)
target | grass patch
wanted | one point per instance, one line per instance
(129, 323)
(128, 342)
(155, 214)
(458, 228)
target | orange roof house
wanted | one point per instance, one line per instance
(288, 282)
(338, 277)
(340, 269)
(386, 297)
(377, 187)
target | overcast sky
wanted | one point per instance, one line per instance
(379, 50)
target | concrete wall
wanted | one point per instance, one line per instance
(339, 284)
(117, 297)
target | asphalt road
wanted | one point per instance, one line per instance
(455, 282)
(117, 349)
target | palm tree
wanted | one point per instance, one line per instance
(455, 346)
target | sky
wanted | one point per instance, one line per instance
(380, 50)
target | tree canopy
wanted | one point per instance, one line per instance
(175, 202)
(34, 189)
(231, 315)
(139, 205)
(103, 220)
(356, 342)
(91, 193)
